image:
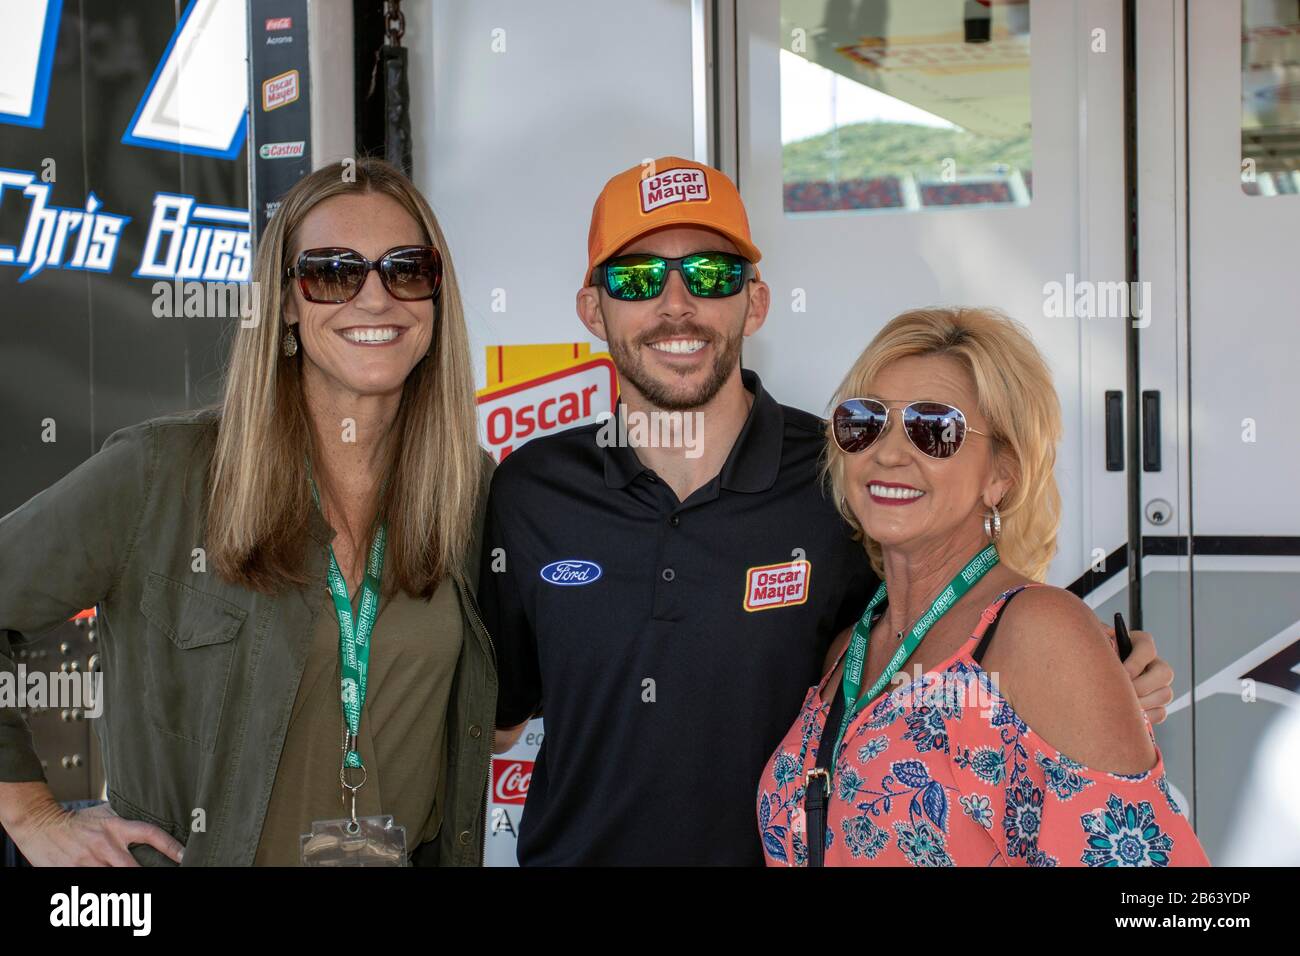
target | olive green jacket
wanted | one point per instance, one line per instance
(199, 675)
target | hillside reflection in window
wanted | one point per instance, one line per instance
(904, 104)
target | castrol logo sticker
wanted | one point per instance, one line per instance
(292, 150)
(673, 185)
(515, 411)
(777, 585)
(510, 780)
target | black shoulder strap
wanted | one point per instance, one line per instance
(978, 653)
(817, 790)
(825, 754)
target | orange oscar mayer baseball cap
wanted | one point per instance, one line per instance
(670, 191)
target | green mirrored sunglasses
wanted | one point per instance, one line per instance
(709, 275)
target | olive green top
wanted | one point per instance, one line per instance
(403, 734)
(200, 675)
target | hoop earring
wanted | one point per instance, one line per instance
(290, 343)
(993, 524)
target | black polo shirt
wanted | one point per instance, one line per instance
(669, 643)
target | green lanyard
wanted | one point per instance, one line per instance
(354, 634)
(856, 657)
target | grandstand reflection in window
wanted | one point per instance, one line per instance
(1270, 98)
(889, 105)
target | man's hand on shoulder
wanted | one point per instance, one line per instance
(1152, 676)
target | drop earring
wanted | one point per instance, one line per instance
(290, 343)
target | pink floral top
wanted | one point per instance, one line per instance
(942, 772)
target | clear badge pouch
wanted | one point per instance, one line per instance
(370, 841)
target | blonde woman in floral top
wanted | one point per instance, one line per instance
(1031, 750)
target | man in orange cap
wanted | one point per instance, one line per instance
(680, 352)
(668, 610)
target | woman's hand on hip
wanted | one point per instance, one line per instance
(95, 836)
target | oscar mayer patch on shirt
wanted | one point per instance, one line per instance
(777, 585)
(673, 185)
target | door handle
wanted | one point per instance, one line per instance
(1115, 431)
(1151, 431)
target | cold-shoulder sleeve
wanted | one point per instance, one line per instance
(1041, 808)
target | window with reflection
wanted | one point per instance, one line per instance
(904, 105)
(1270, 97)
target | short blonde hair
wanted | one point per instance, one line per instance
(1017, 398)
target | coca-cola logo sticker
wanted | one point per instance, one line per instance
(571, 573)
(510, 780)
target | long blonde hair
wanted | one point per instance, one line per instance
(1017, 398)
(259, 502)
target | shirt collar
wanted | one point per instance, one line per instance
(318, 527)
(751, 466)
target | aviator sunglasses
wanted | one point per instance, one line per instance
(933, 428)
(639, 276)
(335, 274)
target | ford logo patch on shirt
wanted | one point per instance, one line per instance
(570, 573)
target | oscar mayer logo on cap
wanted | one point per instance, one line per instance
(673, 185)
(777, 585)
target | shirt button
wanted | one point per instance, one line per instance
(674, 521)
(669, 574)
(475, 731)
(464, 838)
(650, 478)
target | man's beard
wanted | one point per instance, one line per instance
(628, 360)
